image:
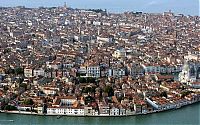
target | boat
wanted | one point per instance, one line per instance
(59, 116)
(6, 120)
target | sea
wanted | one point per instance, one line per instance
(188, 115)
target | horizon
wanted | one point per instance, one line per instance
(151, 6)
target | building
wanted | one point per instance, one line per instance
(120, 53)
(190, 73)
(65, 111)
(114, 111)
(64, 101)
(93, 70)
(38, 72)
(28, 72)
(136, 70)
(117, 72)
(89, 111)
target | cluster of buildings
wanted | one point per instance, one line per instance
(64, 61)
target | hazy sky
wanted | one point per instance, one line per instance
(188, 7)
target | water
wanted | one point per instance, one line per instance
(188, 115)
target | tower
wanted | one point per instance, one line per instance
(184, 75)
(65, 5)
(98, 33)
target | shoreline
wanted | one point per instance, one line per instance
(59, 115)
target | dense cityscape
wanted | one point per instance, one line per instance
(89, 62)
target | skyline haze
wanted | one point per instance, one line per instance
(151, 6)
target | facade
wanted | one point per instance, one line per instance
(28, 72)
(195, 85)
(153, 69)
(121, 53)
(38, 72)
(89, 111)
(82, 70)
(114, 111)
(104, 109)
(136, 70)
(190, 73)
(93, 71)
(65, 111)
(117, 72)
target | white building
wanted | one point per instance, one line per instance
(117, 72)
(121, 53)
(38, 72)
(152, 69)
(104, 110)
(114, 111)
(28, 72)
(89, 111)
(93, 71)
(64, 101)
(104, 39)
(65, 111)
(189, 73)
(122, 111)
(82, 70)
(195, 85)
(50, 90)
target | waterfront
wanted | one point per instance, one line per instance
(188, 115)
(74, 62)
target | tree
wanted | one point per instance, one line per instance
(88, 89)
(163, 94)
(23, 85)
(82, 80)
(5, 88)
(10, 107)
(87, 80)
(109, 90)
(89, 99)
(9, 70)
(185, 93)
(20, 80)
(7, 50)
(28, 102)
(19, 70)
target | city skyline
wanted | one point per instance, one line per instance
(71, 59)
(151, 6)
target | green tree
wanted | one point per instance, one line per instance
(163, 94)
(10, 107)
(7, 50)
(9, 70)
(82, 80)
(23, 85)
(19, 70)
(20, 80)
(90, 80)
(5, 88)
(185, 93)
(28, 102)
(109, 90)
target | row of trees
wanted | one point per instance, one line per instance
(10, 107)
(17, 71)
(87, 80)
(108, 89)
(28, 102)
